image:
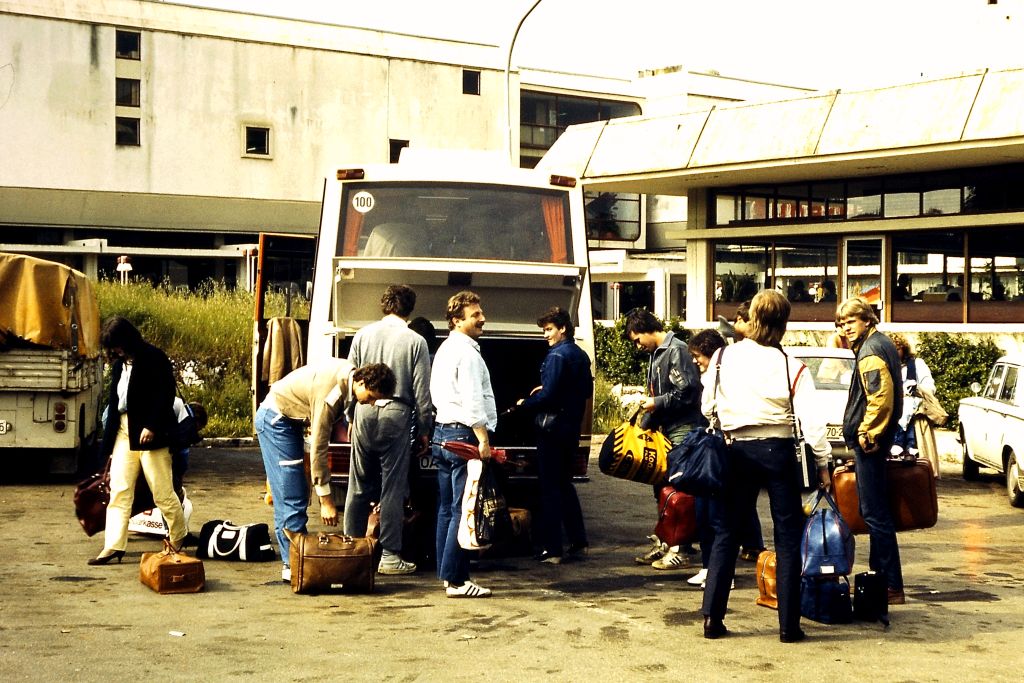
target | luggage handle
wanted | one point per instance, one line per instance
(325, 538)
(215, 546)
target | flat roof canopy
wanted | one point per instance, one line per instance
(970, 120)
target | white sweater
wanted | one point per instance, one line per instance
(754, 392)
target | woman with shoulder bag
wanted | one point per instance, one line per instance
(759, 389)
(559, 404)
(139, 415)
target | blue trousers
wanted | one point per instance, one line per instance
(873, 492)
(280, 441)
(452, 559)
(753, 465)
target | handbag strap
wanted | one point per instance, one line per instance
(791, 389)
(715, 422)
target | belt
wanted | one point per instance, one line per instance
(452, 424)
(760, 432)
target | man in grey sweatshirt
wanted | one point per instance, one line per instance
(381, 432)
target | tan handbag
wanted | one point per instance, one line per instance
(767, 591)
(172, 571)
(931, 408)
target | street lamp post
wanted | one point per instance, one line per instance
(508, 86)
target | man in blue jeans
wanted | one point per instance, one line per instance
(460, 386)
(318, 394)
(873, 410)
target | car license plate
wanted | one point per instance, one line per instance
(427, 462)
(834, 432)
(6, 426)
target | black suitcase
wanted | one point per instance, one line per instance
(870, 597)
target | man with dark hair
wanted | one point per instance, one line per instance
(873, 410)
(560, 401)
(460, 385)
(379, 467)
(318, 394)
(673, 401)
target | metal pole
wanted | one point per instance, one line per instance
(508, 86)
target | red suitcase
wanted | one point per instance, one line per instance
(677, 517)
(912, 496)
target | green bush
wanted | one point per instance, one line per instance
(608, 411)
(618, 361)
(207, 334)
(956, 362)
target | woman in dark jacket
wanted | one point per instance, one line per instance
(140, 412)
(560, 401)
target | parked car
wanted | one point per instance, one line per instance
(831, 369)
(992, 426)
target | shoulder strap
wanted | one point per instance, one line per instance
(912, 369)
(792, 389)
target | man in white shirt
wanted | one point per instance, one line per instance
(460, 386)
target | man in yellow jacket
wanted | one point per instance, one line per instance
(873, 411)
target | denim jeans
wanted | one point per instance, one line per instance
(753, 465)
(559, 502)
(452, 560)
(873, 492)
(280, 441)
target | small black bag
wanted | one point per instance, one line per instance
(827, 600)
(492, 516)
(870, 597)
(222, 540)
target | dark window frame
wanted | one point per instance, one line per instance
(129, 124)
(133, 95)
(265, 150)
(471, 81)
(120, 51)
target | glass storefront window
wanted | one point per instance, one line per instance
(612, 215)
(806, 271)
(792, 202)
(928, 277)
(864, 199)
(996, 290)
(902, 197)
(941, 194)
(727, 209)
(741, 270)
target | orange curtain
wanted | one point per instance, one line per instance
(353, 227)
(554, 221)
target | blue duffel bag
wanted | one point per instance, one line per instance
(828, 546)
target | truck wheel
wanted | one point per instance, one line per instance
(970, 467)
(1013, 491)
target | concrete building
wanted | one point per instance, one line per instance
(174, 135)
(909, 196)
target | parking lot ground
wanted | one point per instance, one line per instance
(602, 619)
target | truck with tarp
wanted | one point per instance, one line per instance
(51, 369)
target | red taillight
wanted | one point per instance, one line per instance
(60, 408)
(59, 426)
(563, 181)
(351, 174)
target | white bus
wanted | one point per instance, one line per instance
(515, 237)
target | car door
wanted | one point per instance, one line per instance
(984, 440)
(1003, 421)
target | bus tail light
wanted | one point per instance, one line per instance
(563, 181)
(351, 174)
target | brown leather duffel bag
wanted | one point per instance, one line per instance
(172, 571)
(912, 495)
(324, 563)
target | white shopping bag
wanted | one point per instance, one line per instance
(152, 522)
(467, 521)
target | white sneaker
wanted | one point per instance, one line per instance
(467, 590)
(672, 560)
(396, 566)
(286, 574)
(699, 578)
(732, 586)
(656, 552)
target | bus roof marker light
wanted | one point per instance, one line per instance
(563, 181)
(351, 174)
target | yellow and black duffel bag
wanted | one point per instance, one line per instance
(636, 454)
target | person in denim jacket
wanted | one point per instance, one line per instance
(566, 384)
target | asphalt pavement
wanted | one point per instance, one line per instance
(602, 619)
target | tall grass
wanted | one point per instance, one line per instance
(207, 334)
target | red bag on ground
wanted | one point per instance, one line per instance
(677, 517)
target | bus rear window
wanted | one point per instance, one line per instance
(435, 220)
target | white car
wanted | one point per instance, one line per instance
(992, 426)
(832, 370)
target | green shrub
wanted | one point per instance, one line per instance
(956, 362)
(207, 334)
(608, 411)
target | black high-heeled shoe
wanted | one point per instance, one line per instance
(104, 559)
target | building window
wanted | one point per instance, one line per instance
(612, 215)
(470, 82)
(257, 141)
(129, 45)
(929, 277)
(395, 148)
(128, 90)
(127, 131)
